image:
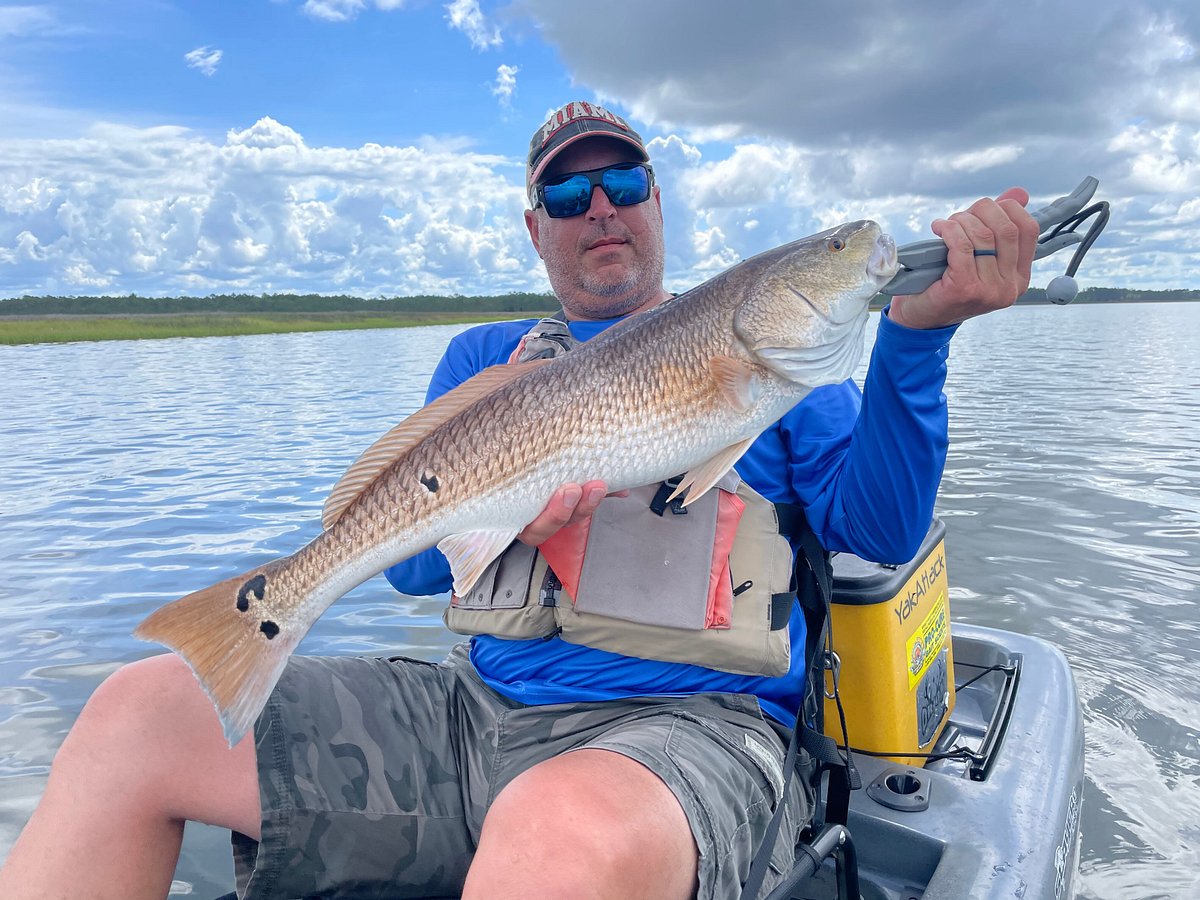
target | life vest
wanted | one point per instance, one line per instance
(710, 584)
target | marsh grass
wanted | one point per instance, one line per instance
(61, 329)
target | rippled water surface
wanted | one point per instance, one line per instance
(132, 472)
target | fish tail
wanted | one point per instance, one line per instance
(235, 648)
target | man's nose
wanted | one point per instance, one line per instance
(601, 207)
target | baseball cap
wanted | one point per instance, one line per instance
(573, 122)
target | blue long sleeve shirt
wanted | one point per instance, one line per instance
(864, 465)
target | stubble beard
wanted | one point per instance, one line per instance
(599, 297)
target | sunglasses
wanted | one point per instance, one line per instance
(625, 184)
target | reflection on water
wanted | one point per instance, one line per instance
(131, 472)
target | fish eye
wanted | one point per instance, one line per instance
(835, 244)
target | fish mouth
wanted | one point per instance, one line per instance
(884, 262)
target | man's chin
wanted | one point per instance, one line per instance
(610, 284)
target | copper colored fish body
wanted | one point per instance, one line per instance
(684, 387)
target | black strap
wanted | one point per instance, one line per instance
(843, 776)
(813, 574)
(659, 504)
(758, 867)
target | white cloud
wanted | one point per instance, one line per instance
(265, 134)
(831, 79)
(203, 59)
(1165, 159)
(754, 174)
(810, 114)
(165, 211)
(22, 21)
(345, 10)
(763, 126)
(506, 83)
(333, 10)
(976, 160)
(466, 16)
(1165, 42)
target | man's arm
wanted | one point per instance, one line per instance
(874, 492)
(868, 472)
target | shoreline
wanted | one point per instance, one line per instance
(66, 328)
(62, 328)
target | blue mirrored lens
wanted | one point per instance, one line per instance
(568, 198)
(624, 185)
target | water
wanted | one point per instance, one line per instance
(131, 472)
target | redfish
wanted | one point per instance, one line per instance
(684, 387)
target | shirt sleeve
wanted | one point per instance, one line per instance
(868, 478)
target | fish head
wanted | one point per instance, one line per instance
(803, 313)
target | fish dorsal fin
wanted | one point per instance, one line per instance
(388, 448)
(470, 553)
(697, 481)
(737, 381)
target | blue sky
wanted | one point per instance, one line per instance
(375, 147)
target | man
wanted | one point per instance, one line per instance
(529, 767)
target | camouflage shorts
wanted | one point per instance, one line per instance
(375, 775)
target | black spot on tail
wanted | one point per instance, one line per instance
(251, 590)
(429, 480)
(269, 628)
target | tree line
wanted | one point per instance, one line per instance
(132, 304)
(1115, 295)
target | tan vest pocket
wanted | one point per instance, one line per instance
(505, 601)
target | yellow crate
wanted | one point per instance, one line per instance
(891, 634)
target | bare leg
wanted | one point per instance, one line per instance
(145, 755)
(587, 824)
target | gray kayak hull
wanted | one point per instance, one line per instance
(1014, 832)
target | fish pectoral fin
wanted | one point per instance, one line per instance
(471, 552)
(697, 481)
(737, 381)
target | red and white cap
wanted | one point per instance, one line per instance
(574, 122)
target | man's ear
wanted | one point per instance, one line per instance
(531, 223)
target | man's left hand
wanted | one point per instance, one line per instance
(973, 285)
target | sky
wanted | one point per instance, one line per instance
(377, 147)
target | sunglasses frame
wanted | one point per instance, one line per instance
(595, 180)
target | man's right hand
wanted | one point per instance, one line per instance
(571, 503)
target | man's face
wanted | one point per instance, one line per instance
(607, 261)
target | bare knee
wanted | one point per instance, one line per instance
(587, 824)
(145, 701)
(151, 733)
